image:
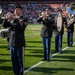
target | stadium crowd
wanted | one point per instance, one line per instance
(32, 11)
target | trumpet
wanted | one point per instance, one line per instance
(9, 15)
(0, 10)
(1, 14)
(42, 14)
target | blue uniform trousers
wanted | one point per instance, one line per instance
(17, 60)
(46, 44)
(69, 38)
(58, 42)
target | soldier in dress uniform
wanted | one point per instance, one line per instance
(46, 32)
(70, 27)
(17, 24)
(70, 30)
(58, 36)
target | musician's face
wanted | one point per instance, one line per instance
(17, 11)
(48, 12)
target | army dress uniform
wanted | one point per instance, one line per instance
(46, 34)
(70, 31)
(58, 36)
(17, 42)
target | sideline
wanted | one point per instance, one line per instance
(25, 71)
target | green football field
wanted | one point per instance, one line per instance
(60, 64)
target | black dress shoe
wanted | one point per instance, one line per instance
(48, 60)
(55, 51)
(70, 45)
(61, 52)
(44, 59)
(8, 48)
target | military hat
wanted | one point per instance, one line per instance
(59, 10)
(18, 6)
(48, 8)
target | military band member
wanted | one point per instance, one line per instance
(70, 30)
(46, 32)
(17, 24)
(59, 35)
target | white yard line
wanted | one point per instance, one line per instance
(25, 71)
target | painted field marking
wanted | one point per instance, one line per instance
(25, 71)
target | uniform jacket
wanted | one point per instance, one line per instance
(46, 30)
(17, 28)
(64, 22)
(71, 28)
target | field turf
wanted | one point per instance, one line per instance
(61, 64)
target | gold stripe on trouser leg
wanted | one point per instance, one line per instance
(23, 58)
(50, 47)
